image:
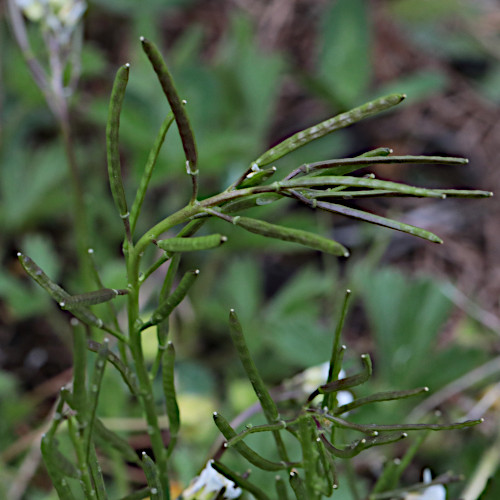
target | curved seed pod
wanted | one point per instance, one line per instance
(112, 140)
(173, 300)
(239, 480)
(60, 295)
(281, 493)
(170, 396)
(268, 405)
(79, 370)
(251, 201)
(92, 298)
(94, 390)
(380, 396)
(36, 273)
(362, 182)
(378, 220)
(58, 480)
(152, 477)
(244, 450)
(362, 444)
(305, 238)
(192, 244)
(297, 485)
(127, 375)
(148, 170)
(334, 368)
(181, 118)
(258, 428)
(255, 178)
(376, 152)
(110, 438)
(328, 126)
(347, 382)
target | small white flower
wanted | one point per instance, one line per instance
(208, 485)
(434, 492)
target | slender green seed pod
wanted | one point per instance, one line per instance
(244, 450)
(305, 238)
(127, 375)
(358, 446)
(372, 428)
(258, 428)
(257, 177)
(94, 390)
(377, 152)
(110, 438)
(57, 477)
(334, 369)
(97, 476)
(378, 220)
(347, 382)
(239, 480)
(92, 298)
(61, 295)
(174, 299)
(181, 118)
(192, 244)
(138, 495)
(268, 405)
(281, 493)
(297, 485)
(37, 274)
(79, 370)
(152, 477)
(310, 456)
(170, 395)
(339, 180)
(112, 140)
(148, 170)
(380, 396)
(251, 201)
(328, 126)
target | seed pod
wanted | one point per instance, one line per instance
(266, 401)
(112, 439)
(152, 477)
(37, 274)
(181, 118)
(256, 178)
(112, 140)
(305, 238)
(321, 129)
(192, 244)
(92, 298)
(377, 219)
(170, 395)
(173, 300)
(245, 451)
